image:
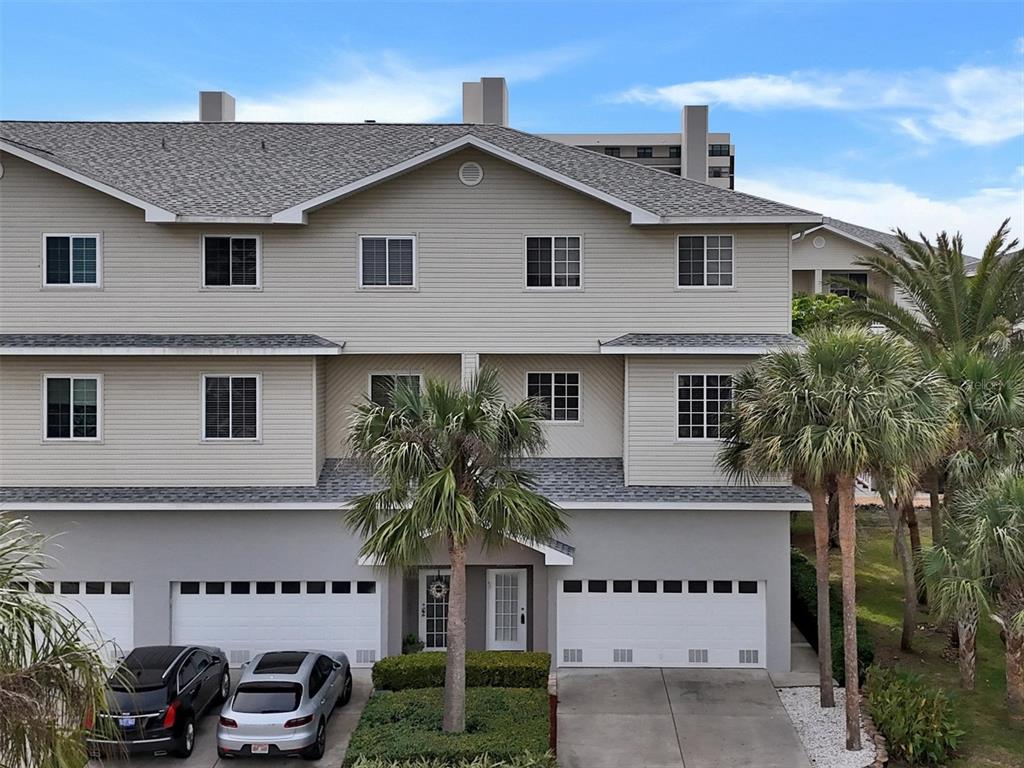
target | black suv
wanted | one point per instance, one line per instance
(154, 698)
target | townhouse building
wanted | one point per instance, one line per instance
(189, 313)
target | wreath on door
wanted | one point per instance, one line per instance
(438, 589)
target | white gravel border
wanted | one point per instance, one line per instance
(823, 731)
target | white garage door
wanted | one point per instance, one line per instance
(249, 617)
(104, 607)
(661, 623)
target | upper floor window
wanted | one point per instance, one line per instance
(553, 262)
(645, 151)
(383, 386)
(705, 260)
(718, 150)
(72, 260)
(843, 289)
(675, 151)
(72, 407)
(387, 262)
(231, 262)
(702, 399)
(613, 151)
(718, 172)
(231, 405)
(558, 394)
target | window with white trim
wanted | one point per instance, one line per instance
(840, 288)
(231, 261)
(558, 394)
(72, 407)
(705, 261)
(383, 386)
(702, 399)
(554, 261)
(231, 406)
(387, 262)
(71, 260)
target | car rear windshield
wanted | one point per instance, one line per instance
(140, 701)
(267, 698)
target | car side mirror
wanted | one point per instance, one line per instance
(337, 665)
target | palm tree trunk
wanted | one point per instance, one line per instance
(848, 545)
(967, 655)
(1015, 673)
(833, 519)
(896, 512)
(819, 507)
(936, 510)
(909, 514)
(455, 669)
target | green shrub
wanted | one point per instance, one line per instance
(917, 720)
(484, 669)
(804, 612)
(523, 761)
(818, 310)
(502, 723)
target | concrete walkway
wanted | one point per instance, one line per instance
(803, 664)
(673, 718)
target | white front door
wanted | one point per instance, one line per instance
(434, 586)
(506, 609)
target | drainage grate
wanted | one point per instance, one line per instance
(698, 655)
(622, 655)
(572, 655)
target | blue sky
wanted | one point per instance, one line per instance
(888, 114)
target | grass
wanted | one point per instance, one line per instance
(991, 740)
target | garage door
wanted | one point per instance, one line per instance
(249, 617)
(104, 607)
(661, 623)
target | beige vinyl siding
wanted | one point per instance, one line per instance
(655, 455)
(599, 431)
(470, 293)
(348, 381)
(320, 374)
(151, 424)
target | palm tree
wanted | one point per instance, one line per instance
(980, 568)
(51, 676)
(447, 461)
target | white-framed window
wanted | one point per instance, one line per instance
(705, 261)
(702, 399)
(558, 393)
(72, 260)
(839, 288)
(72, 405)
(231, 261)
(554, 261)
(231, 406)
(382, 386)
(387, 261)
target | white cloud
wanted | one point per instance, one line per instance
(973, 105)
(887, 205)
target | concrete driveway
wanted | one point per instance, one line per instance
(673, 718)
(339, 730)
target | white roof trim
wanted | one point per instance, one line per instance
(551, 556)
(297, 213)
(153, 213)
(835, 231)
(628, 350)
(804, 218)
(171, 351)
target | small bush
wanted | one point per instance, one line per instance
(484, 669)
(917, 720)
(804, 611)
(523, 761)
(501, 723)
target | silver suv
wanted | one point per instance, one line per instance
(282, 704)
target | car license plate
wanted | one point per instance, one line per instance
(126, 722)
(260, 749)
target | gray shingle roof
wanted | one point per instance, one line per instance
(175, 340)
(874, 237)
(702, 340)
(258, 169)
(565, 480)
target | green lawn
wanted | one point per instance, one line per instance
(991, 740)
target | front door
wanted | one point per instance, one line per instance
(434, 586)
(506, 609)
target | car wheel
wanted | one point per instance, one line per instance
(316, 751)
(346, 691)
(225, 687)
(187, 742)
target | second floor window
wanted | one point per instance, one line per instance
(557, 393)
(230, 262)
(645, 151)
(553, 262)
(702, 399)
(72, 407)
(383, 386)
(387, 262)
(71, 260)
(705, 261)
(231, 407)
(718, 150)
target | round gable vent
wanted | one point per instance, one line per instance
(471, 174)
(818, 242)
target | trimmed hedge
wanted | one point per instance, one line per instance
(918, 721)
(525, 761)
(484, 669)
(804, 611)
(501, 723)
